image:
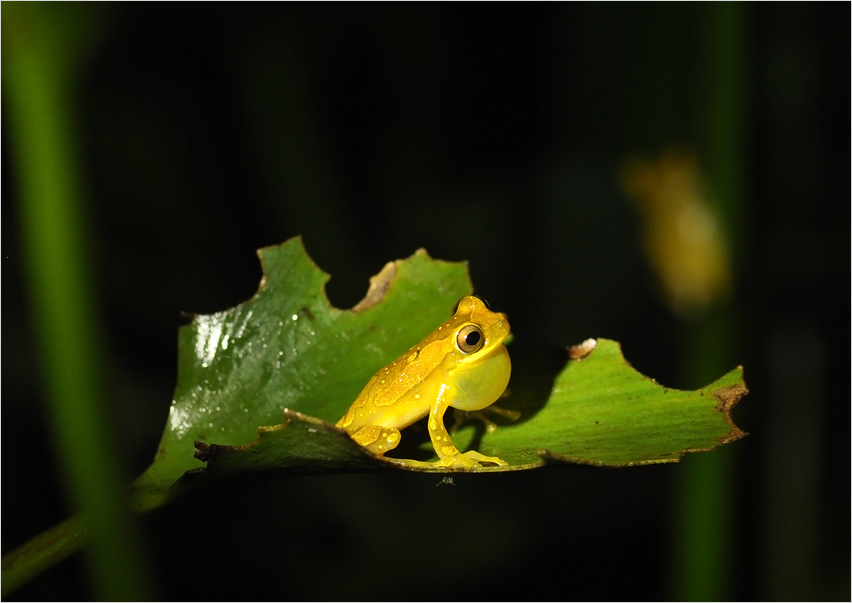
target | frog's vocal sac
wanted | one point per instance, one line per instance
(462, 364)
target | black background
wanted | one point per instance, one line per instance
(488, 133)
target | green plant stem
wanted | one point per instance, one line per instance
(704, 493)
(704, 498)
(38, 65)
(39, 553)
(62, 540)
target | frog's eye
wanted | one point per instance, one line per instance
(470, 339)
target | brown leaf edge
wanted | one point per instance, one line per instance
(381, 283)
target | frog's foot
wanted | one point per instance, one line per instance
(377, 439)
(460, 416)
(470, 458)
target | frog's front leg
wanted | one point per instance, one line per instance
(448, 454)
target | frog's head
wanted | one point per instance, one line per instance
(481, 331)
(482, 365)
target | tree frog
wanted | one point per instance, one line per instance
(462, 364)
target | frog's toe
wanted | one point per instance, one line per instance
(470, 459)
(478, 458)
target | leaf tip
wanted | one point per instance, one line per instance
(203, 451)
(294, 250)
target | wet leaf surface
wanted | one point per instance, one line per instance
(288, 348)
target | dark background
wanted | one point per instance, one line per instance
(487, 133)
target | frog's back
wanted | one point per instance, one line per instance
(400, 393)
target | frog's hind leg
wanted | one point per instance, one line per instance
(377, 439)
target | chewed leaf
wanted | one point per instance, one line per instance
(288, 348)
(600, 412)
(261, 385)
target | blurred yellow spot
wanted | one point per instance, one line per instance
(683, 236)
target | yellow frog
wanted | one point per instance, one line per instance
(462, 364)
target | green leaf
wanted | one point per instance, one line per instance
(603, 412)
(288, 351)
(600, 412)
(288, 348)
